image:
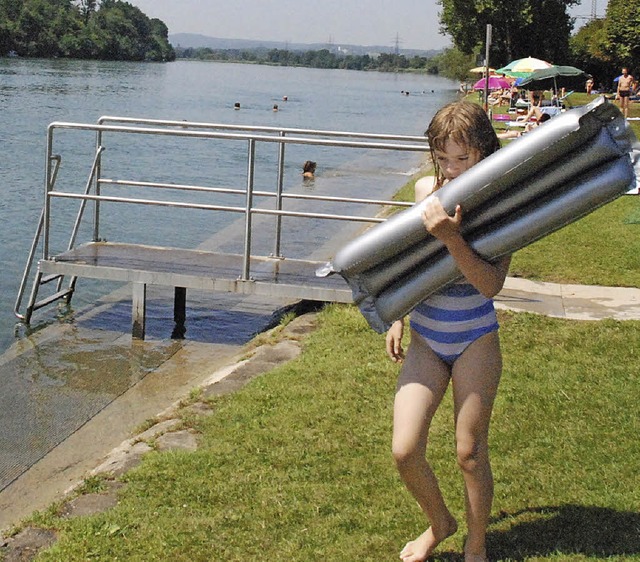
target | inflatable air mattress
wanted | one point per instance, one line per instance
(540, 182)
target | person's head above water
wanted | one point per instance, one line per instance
(309, 168)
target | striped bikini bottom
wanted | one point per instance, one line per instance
(452, 319)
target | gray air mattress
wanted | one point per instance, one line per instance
(540, 182)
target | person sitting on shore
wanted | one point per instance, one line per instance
(534, 118)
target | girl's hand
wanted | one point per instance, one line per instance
(439, 223)
(394, 341)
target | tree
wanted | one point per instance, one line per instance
(454, 64)
(520, 28)
(589, 51)
(622, 31)
(160, 49)
(68, 28)
(7, 26)
(87, 9)
(37, 25)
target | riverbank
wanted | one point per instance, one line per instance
(307, 441)
(250, 481)
(286, 436)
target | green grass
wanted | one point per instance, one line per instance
(297, 465)
(602, 248)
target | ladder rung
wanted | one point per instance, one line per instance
(48, 278)
(52, 298)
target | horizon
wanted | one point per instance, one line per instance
(334, 44)
(410, 25)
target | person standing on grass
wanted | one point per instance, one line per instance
(625, 81)
(454, 338)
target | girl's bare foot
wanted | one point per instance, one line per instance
(421, 548)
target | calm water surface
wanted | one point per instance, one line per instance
(55, 380)
(34, 93)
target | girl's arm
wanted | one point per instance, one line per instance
(485, 276)
(423, 187)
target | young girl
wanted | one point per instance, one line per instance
(453, 338)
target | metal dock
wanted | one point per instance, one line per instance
(141, 265)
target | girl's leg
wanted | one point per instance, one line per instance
(422, 383)
(475, 378)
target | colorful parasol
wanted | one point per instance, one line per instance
(495, 83)
(521, 68)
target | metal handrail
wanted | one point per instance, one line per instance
(33, 249)
(232, 191)
(249, 134)
(183, 131)
(252, 210)
(83, 204)
(282, 131)
(242, 133)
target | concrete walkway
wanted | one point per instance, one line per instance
(574, 302)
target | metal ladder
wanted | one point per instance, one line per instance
(60, 293)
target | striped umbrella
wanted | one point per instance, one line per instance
(521, 68)
(481, 70)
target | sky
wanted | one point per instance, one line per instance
(412, 23)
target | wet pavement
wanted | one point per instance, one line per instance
(72, 392)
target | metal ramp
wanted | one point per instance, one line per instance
(142, 264)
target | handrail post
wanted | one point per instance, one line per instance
(251, 161)
(97, 171)
(48, 181)
(278, 236)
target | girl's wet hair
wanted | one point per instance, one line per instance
(466, 124)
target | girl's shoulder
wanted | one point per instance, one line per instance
(425, 186)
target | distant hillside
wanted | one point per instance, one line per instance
(195, 40)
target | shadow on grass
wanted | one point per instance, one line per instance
(558, 532)
(564, 530)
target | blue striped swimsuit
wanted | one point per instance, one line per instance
(452, 318)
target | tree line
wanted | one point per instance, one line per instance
(322, 58)
(82, 29)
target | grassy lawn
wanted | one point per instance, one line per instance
(296, 466)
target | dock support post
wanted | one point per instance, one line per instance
(179, 312)
(139, 306)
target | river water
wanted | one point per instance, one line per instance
(34, 93)
(73, 363)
